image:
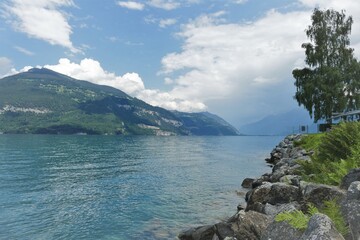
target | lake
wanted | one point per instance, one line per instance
(116, 187)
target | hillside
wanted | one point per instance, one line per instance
(42, 101)
(280, 124)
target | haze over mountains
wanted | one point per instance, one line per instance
(281, 124)
(42, 101)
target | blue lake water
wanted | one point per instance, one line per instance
(111, 187)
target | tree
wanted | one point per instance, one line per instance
(330, 82)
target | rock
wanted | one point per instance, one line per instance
(223, 230)
(351, 209)
(291, 180)
(247, 183)
(199, 233)
(318, 193)
(353, 192)
(273, 210)
(352, 176)
(320, 227)
(351, 212)
(281, 231)
(275, 193)
(250, 225)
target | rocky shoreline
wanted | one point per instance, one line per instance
(283, 190)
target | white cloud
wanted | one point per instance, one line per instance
(164, 4)
(24, 51)
(131, 5)
(131, 83)
(246, 67)
(163, 23)
(6, 67)
(41, 19)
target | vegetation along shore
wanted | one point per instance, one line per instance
(313, 192)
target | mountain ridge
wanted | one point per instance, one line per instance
(42, 101)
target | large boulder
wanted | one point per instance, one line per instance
(273, 193)
(247, 183)
(352, 176)
(320, 227)
(250, 225)
(351, 209)
(318, 193)
(281, 231)
(199, 233)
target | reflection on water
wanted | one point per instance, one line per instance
(107, 187)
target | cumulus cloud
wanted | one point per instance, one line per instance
(163, 23)
(131, 5)
(42, 20)
(245, 66)
(164, 4)
(131, 83)
(6, 67)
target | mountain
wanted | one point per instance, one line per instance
(281, 124)
(42, 101)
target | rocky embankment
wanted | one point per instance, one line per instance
(283, 190)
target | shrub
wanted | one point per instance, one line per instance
(300, 220)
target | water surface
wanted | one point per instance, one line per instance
(111, 187)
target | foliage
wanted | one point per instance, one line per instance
(299, 220)
(337, 143)
(330, 82)
(335, 156)
(332, 210)
(309, 142)
(70, 106)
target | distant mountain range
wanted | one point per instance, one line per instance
(281, 124)
(42, 101)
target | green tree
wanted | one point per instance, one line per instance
(330, 81)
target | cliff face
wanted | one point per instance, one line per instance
(283, 190)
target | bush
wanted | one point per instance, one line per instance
(299, 220)
(335, 156)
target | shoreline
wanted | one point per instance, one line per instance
(283, 190)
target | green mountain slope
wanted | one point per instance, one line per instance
(46, 102)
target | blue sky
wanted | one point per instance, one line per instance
(233, 58)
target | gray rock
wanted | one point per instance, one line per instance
(223, 230)
(199, 233)
(281, 231)
(250, 225)
(247, 183)
(352, 176)
(353, 192)
(351, 211)
(273, 210)
(320, 227)
(318, 193)
(275, 193)
(283, 193)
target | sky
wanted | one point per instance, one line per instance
(233, 58)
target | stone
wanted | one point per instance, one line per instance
(275, 193)
(223, 230)
(281, 231)
(199, 233)
(352, 176)
(250, 225)
(353, 192)
(318, 193)
(247, 183)
(273, 210)
(283, 193)
(320, 227)
(351, 212)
